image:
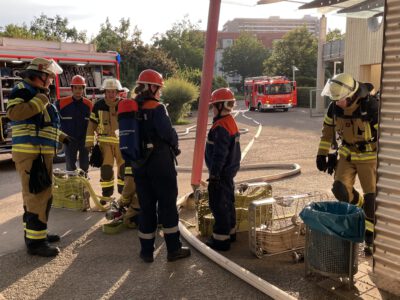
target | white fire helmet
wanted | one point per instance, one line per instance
(340, 86)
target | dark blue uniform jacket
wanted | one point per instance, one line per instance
(223, 148)
(74, 116)
(156, 128)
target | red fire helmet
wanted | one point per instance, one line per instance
(222, 95)
(150, 76)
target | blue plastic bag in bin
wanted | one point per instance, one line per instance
(340, 219)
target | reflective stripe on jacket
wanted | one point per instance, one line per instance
(33, 130)
(357, 131)
(103, 121)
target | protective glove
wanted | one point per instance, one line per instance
(177, 151)
(321, 163)
(332, 160)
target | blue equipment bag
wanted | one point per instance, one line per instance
(129, 135)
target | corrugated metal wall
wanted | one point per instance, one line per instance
(365, 49)
(387, 230)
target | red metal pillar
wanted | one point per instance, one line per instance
(205, 91)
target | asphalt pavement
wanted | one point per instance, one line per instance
(93, 265)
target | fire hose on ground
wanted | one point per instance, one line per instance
(244, 274)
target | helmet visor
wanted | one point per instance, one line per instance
(54, 68)
(336, 90)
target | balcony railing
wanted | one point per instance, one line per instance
(334, 50)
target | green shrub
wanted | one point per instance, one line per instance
(179, 94)
(194, 76)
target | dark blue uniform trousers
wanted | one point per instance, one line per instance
(71, 152)
(222, 204)
(156, 184)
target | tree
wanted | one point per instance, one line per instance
(245, 57)
(135, 56)
(16, 31)
(111, 38)
(157, 59)
(194, 76)
(334, 35)
(55, 29)
(297, 48)
(45, 28)
(184, 43)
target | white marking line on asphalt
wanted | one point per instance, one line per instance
(158, 250)
(250, 144)
(116, 286)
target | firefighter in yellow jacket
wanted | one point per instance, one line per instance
(35, 135)
(353, 117)
(103, 121)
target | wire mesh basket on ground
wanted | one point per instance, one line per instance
(244, 195)
(275, 226)
(330, 255)
(69, 191)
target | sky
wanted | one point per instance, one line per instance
(150, 16)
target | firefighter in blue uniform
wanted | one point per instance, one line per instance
(127, 109)
(35, 130)
(155, 177)
(353, 117)
(222, 157)
(75, 113)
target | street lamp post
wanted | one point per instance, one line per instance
(334, 66)
(294, 69)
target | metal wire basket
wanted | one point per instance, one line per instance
(275, 226)
(244, 195)
(68, 191)
(330, 256)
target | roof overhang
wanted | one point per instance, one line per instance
(349, 8)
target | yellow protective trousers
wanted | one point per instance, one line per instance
(36, 206)
(129, 199)
(346, 172)
(111, 153)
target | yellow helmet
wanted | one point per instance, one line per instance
(340, 86)
(44, 65)
(111, 84)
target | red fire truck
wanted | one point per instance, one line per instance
(270, 93)
(74, 58)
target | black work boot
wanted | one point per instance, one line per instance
(233, 237)
(219, 245)
(146, 257)
(178, 254)
(53, 238)
(43, 249)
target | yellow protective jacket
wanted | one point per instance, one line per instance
(103, 121)
(356, 127)
(34, 121)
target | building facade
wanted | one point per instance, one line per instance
(265, 30)
(272, 24)
(363, 55)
